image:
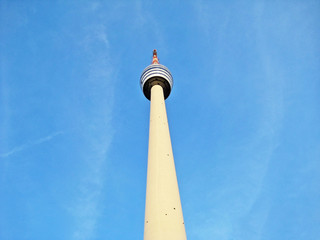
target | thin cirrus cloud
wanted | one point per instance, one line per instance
(31, 144)
(257, 150)
(95, 128)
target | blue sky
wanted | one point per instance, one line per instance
(244, 117)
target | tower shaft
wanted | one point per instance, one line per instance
(163, 213)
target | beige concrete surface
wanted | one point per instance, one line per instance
(163, 213)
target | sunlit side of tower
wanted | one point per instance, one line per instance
(163, 212)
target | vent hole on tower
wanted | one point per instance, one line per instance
(168, 154)
(147, 222)
(174, 208)
(166, 214)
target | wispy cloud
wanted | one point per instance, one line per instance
(95, 126)
(245, 200)
(30, 144)
(145, 20)
(87, 205)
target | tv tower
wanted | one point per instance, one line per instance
(163, 212)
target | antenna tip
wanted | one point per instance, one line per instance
(155, 59)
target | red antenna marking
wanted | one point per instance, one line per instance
(155, 59)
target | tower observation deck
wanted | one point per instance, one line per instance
(156, 74)
(163, 211)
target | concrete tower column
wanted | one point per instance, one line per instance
(163, 212)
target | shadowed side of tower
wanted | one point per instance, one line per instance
(163, 212)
